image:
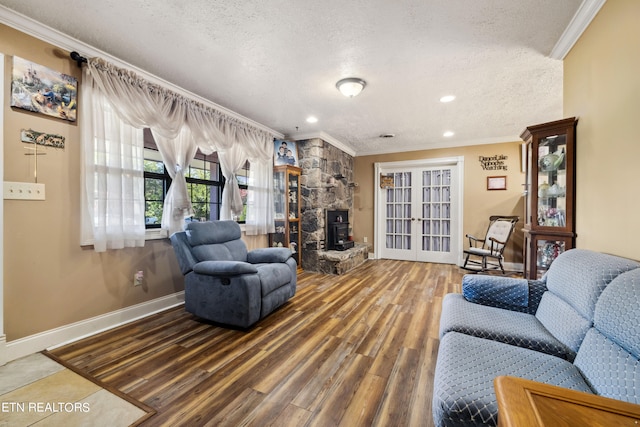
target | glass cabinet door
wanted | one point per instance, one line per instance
(552, 182)
(279, 195)
(287, 210)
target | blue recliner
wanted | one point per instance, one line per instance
(227, 284)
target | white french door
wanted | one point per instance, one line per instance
(418, 216)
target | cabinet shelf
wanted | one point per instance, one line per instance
(549, 193)
(287, 210)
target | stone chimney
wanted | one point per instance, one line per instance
(325, 181)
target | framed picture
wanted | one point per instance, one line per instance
(42, 90)
(496, 183)
(284, 153)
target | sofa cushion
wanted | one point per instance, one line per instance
(210, 232)
(463, 392)
(575, 281)
(216, 240)
(608, 357)
(562, 321)
(617, 313)
(510, 327)
(579, 276)
(505, 292)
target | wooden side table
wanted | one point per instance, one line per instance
(526, 403)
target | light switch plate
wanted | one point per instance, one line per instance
(23, 191)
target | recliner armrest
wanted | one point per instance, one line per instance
(504, 292)
(268, 255)
(224, 268)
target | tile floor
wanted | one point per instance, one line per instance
(37, 391)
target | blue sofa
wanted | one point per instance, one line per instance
(578, 327)
(225, 283)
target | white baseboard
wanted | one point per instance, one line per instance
(66, 334)
(513, 266)
(3, 349)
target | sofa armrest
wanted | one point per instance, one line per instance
(268, 255)
(504, 292)
(224, 268)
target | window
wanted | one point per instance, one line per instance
(205, 183)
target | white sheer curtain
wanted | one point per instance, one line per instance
(235, 144)
(176, 155)
(260, 197)
(114, 178)
(232, 160)
(180, 125)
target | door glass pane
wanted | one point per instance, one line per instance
(436, 210)
(398, 208)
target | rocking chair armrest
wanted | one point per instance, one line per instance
(493, 239)
(473, 241)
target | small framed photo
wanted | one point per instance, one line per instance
(496, 183)
(285, 153)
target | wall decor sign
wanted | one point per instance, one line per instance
(42, 90)
(31, 136)
(496, 183)
(493, 163)
(386, 181)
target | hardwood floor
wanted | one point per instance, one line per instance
(351, 350)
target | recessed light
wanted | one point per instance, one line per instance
(447, 98)
(448, 134)
(312, 119)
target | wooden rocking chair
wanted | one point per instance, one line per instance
(486, 254)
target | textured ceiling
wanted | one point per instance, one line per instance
(277, 62)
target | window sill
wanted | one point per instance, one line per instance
(150, 234)
(155, 234)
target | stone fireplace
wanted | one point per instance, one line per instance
(326, 184)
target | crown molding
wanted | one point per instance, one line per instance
(579, 23)
(325, 137)
(47, 34)
(439, 145)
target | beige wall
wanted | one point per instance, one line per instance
(479, 203)
(602, 89)
(49, 280)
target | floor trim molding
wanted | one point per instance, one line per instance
(113, 390)
(63, 335)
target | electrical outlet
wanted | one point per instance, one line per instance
(364, 239)
(138, 278)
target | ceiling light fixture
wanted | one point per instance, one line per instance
(448, 134)
(351, 86)
(447, 98)
(312, 119)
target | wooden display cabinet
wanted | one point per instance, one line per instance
(286, 200)
(549, 219)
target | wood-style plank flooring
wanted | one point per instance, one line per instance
(351, 350)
